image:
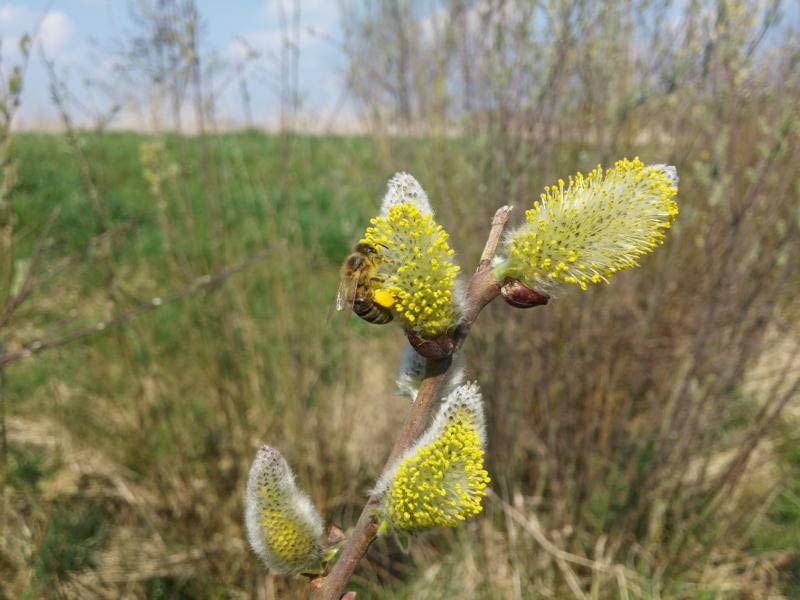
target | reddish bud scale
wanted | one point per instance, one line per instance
(519, 295)
(335, 535)
(435, 348)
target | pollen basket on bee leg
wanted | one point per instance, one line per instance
(383, 298)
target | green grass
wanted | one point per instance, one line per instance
(253, 183)
(74, 534)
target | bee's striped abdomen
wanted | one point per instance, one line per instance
(368, 310)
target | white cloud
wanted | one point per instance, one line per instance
(11, 15)
(55, 31)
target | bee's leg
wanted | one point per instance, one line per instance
(376, 282)
(362, 290)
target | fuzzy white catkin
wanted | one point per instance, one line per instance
(412, 372)
(283, 527)
(403, 188)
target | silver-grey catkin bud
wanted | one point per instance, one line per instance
(283, 526)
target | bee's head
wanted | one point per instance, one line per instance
(365, 248)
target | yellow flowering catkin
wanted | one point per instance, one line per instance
(440, 482)
(585, 230)
(283, 527)
(417, 268)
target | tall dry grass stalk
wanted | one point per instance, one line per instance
(16, 280)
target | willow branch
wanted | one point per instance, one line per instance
(498, 223)
(481, 290)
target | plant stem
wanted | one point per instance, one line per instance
(481, 290)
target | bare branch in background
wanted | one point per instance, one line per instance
(203, 283)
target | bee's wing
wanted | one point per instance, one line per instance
(346, 294)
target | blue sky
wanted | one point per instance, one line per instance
(80, 36)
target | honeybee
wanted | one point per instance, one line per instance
(357, 286)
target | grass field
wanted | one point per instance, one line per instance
(619, 417)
